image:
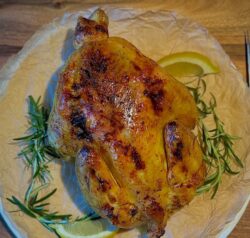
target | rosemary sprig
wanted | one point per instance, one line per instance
(36, 149)
(36, 207)
(37, 154)
(216, 143)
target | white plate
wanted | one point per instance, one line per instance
(156, 33)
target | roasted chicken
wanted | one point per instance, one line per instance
(128, 125)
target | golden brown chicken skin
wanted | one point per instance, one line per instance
(129, 126)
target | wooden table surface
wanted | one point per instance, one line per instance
(226, 21)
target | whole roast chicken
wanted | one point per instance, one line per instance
(127, 124)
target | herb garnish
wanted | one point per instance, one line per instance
(36, 149)
(37, 153)
(37, 208)
(216, 143)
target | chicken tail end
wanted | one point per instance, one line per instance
(92, 29)
(100, 17)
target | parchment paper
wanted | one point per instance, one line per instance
(156, 33)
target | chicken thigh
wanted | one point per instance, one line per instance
(128, 125)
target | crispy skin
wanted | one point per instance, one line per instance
(128, 124)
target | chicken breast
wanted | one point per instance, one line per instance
(127, 124)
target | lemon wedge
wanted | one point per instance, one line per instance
(188, 64)
(100, 228)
